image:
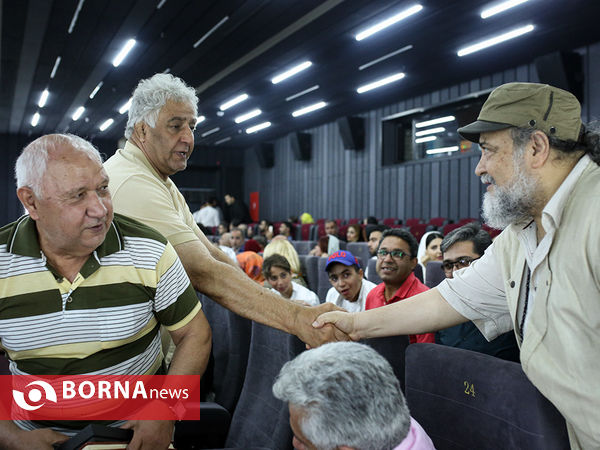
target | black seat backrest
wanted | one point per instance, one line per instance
(434, 274)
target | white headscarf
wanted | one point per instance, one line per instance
(423, 248)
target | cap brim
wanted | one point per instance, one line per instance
(472, 131)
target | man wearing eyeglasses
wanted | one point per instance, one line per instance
(460, 248)
(396, 260)
(541, 276)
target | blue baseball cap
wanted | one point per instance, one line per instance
(343, 257)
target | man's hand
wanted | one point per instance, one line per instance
(313, 336)
(42, 439)
(150, 434)
(343, 322)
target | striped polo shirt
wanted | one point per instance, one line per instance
(105, 322)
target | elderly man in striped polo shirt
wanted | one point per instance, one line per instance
(70, 268)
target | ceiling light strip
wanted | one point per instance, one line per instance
(211, 31)
(209, 132)
(123, 53)
(220, 141)
(200, 119)
(75, 16)
(291, 72)
(234, 101)
(495, 40)
(501, 7)
(35, 119)
(388, 22)
(248, 115)
(434, 151)
(77, 114)
(425, 139)
(379, 83)
(384, 57)
(435, 121)
(430, 131)
(299, 94)
(55, 68)
(260, 126)
(43, 98)
(123, 109)
(308, 109)
(96, 89)
(160, 4)
(106, 124)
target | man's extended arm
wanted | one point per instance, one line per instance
(231, 288)
(215, 251)
(423, 313)
(14, 438)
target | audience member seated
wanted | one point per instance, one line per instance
(277, 271)
(331, 228)
(222, 228)
(237, 240)
(349, 289)
(461, 247)
(251, 263)
(281, 246)
(429, 248)
(207, 215)
(354, 233)
(286, 229)
(326, 245)
(373, 234)
(345, 396)
(396, 260)
(225, 245)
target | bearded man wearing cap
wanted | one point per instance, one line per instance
(541, 276)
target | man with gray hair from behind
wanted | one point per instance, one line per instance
(345, 396)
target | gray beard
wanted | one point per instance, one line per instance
(512, 203)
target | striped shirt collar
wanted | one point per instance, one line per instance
(23, 239)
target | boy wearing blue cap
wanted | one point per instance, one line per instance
(349, 289)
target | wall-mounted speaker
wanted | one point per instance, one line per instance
(301, 145)
(265, 155)
(563, 70)
(352, 131)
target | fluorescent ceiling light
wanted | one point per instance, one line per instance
(234, 101)
(96, 89)
(500, 7)
(106, 124)
(494, 40)
(379, 83)
(43, 98)
(35, 119)
(433, 151)
(430, 131)
(260, 126)
(75, 16)
(248, 115)
(55, 68)
(428, 123)
(123, 109)
(220, 141)
(309, 108)
(123, 53)
(160, 4)
(425, 139)
(291, 72)
(209, 132)
(388, 22)
(78, 112)
(211, 31)
(301, 93)
(384, 57)
(200, 119)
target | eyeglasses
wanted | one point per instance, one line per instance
(463, 261)
(399, 254)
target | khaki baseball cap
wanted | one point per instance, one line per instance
(540, 106)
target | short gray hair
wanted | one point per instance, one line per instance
(31, 165)
(349, 395)
(152, 94)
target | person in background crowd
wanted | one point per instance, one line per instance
(160, 140)
(236, 210)
(250, 261)
(331, 228)
(541, 275)
(349, 289)
(225, 246)
(283, 247)
(429, 248)
(373, 236)
(237, 240)
(345, 396)
(278, 273)
(460, 248)
(354, 233)
(222, 228)
(396, 260)
(286, 229)
(207, 215)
